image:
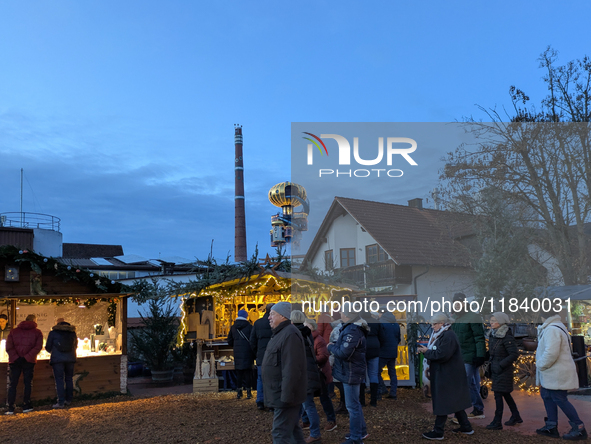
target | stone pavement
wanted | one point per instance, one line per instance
(148, 392)
(531, 408)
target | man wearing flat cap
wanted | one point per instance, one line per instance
(284, 376)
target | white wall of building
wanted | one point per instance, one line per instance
(441, 282)
(344, 232)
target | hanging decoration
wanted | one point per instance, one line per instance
(40, 263)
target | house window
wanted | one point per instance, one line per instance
(374, 253)
(328, 260)
(347, 257)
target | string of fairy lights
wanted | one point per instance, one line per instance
(268, 285)
(524, 369)
(524, 374)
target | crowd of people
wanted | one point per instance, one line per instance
(24, 343)
(300, 359)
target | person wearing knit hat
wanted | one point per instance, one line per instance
(556, 374)
(297, 317)
(238, 338)
(282, 308)
(503, 353)
(501, 318)
(284, 374)
(447, 376)
(440, 318)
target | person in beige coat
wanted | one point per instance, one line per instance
(555, 374)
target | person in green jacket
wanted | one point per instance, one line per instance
(470, 332)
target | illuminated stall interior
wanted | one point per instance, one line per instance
(210, 314)
(96, 306)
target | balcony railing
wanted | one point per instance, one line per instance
(378, 274)
(30, 220)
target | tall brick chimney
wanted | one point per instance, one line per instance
(239, 212)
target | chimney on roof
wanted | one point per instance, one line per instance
(239, 211)
(416, 203)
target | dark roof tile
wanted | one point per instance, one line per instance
(86, 251)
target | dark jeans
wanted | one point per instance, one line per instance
(499, 404)
(64, 371)
(473, 374)
(461, 416)
(244, 379)
(328, 408)
(558, 398)
(357, 426)
(286, 426)
(313, 417)
(260, 393)
(391, 364)
(21, 365)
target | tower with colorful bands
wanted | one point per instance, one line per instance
(286, 226)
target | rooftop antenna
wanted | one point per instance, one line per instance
(22, 221)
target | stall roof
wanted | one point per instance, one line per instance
(283, 275)
(76, 296)
(574, 292)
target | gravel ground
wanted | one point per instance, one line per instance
(219, 418)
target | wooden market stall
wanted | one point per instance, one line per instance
(208, 316)
(96, 306)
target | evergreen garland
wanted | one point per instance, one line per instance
(211, 273)
(39, 263)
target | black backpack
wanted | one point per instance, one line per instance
(64, 344)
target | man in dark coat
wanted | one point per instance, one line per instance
(259, 338)
(470, 332)
(350, 367)
(285, 376)
(389, 336)
(61, 343)
(23, 345)
(238, 338)
(449, 385)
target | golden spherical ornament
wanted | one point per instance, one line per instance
(282, 194)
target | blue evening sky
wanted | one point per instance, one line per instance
(121, 112)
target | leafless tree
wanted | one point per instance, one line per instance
(537, 157)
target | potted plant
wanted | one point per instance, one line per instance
(186, 356)
(154, 342)
(135, 366)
